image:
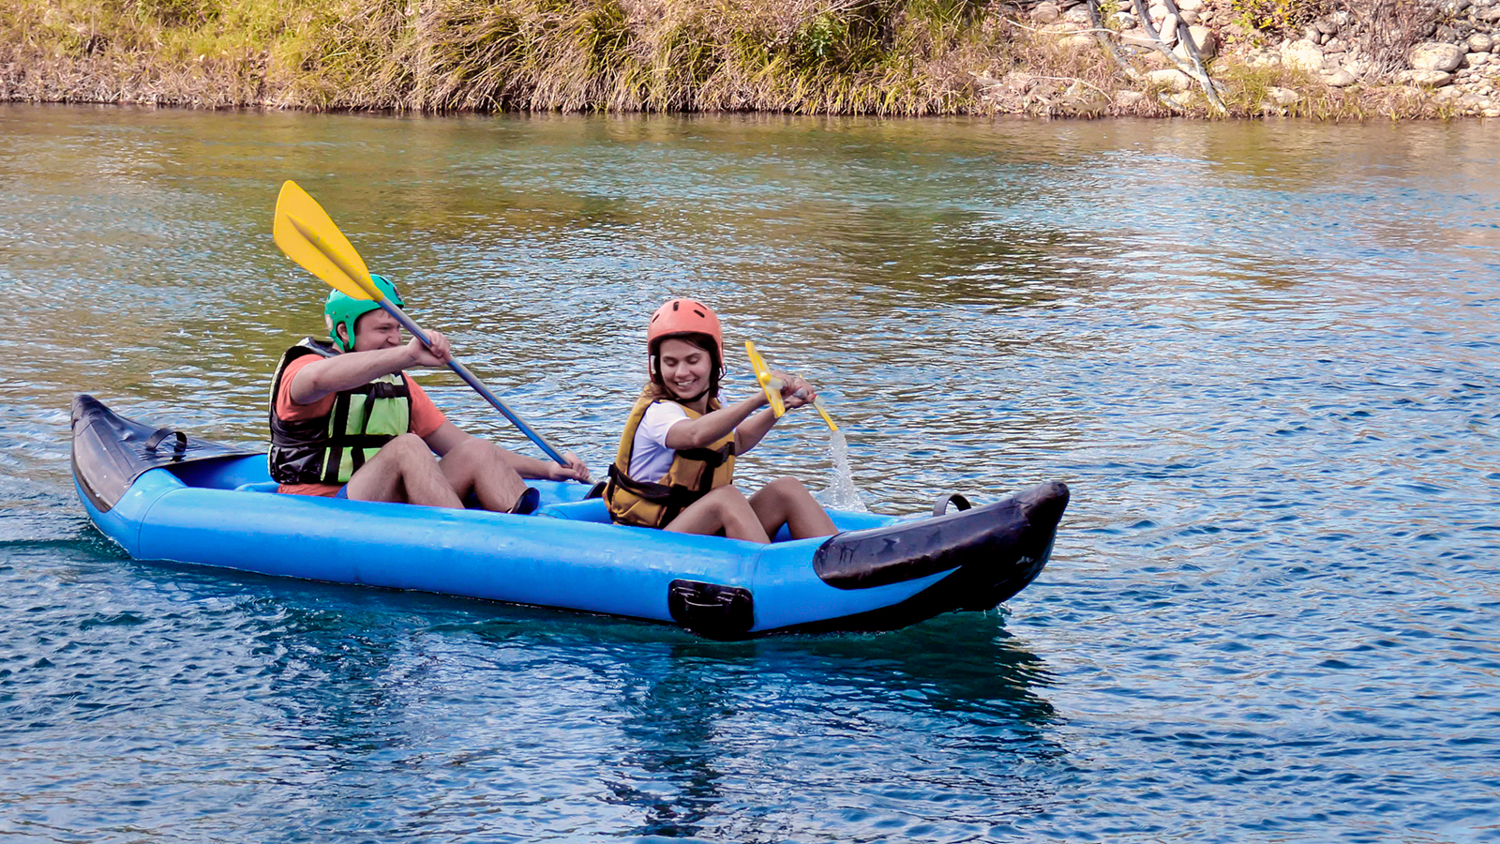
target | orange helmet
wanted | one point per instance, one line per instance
(684, 316)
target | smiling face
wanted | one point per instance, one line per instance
(376, 330)
(686, 368)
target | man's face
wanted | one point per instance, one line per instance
(376, 330)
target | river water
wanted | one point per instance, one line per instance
(1265, 357)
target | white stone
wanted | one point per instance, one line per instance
(1190, 5)
(1282, 96)
(1129, 99)
(1045, 13)
(1340, 79)
(1481, 42)
(1078, 15)
(1425, 78)
(1205, 40)
(1436, 56)
(1189, 18)
(1080, 42)
(1168, 30)
(1477, 59)
(1170, 78)
(1302, 55)
(1125, 20)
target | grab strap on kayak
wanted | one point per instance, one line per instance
(178, 449)
(957, 499)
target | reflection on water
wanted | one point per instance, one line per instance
(355, 709)
(1262, 355)
(709, 728)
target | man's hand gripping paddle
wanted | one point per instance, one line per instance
(772, 386)
(308, 236)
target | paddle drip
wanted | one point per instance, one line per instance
(841, 493)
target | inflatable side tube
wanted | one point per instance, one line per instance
(110, 451)
(999, 534)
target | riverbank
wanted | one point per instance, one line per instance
(1355, 59)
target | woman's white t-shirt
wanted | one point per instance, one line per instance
(649, 456)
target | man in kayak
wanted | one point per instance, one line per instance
(348, 422)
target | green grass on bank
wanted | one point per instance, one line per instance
(870, 56)
(887, 57)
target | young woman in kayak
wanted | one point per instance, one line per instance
(675, 466)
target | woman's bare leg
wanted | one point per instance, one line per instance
(785, 501)
(722, 509)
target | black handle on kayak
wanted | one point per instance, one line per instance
(178, 449)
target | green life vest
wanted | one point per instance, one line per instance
(332, 448)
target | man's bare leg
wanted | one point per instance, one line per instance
(478, 466)
(404, 470)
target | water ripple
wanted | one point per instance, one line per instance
(1264, 357)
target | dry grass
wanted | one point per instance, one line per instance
(1388, 29)
(826, 56)
(883, 57)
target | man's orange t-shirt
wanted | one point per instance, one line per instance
(425, 417)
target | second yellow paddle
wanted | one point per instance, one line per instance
(772, 385)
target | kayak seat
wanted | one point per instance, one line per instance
(590, 510)
(262, 486)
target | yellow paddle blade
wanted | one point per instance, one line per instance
(772, 386)
(818, 406)
(308, 236)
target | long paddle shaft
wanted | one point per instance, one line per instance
(472, 381)
(345, 271)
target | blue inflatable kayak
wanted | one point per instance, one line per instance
(163, 495)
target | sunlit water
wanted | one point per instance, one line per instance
(1263, 356)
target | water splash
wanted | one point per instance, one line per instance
(841, 493)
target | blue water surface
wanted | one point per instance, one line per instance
(1264, 356)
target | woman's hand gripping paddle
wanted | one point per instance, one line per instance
(772, 385)
(307, 235)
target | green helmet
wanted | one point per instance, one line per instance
(343, 309)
